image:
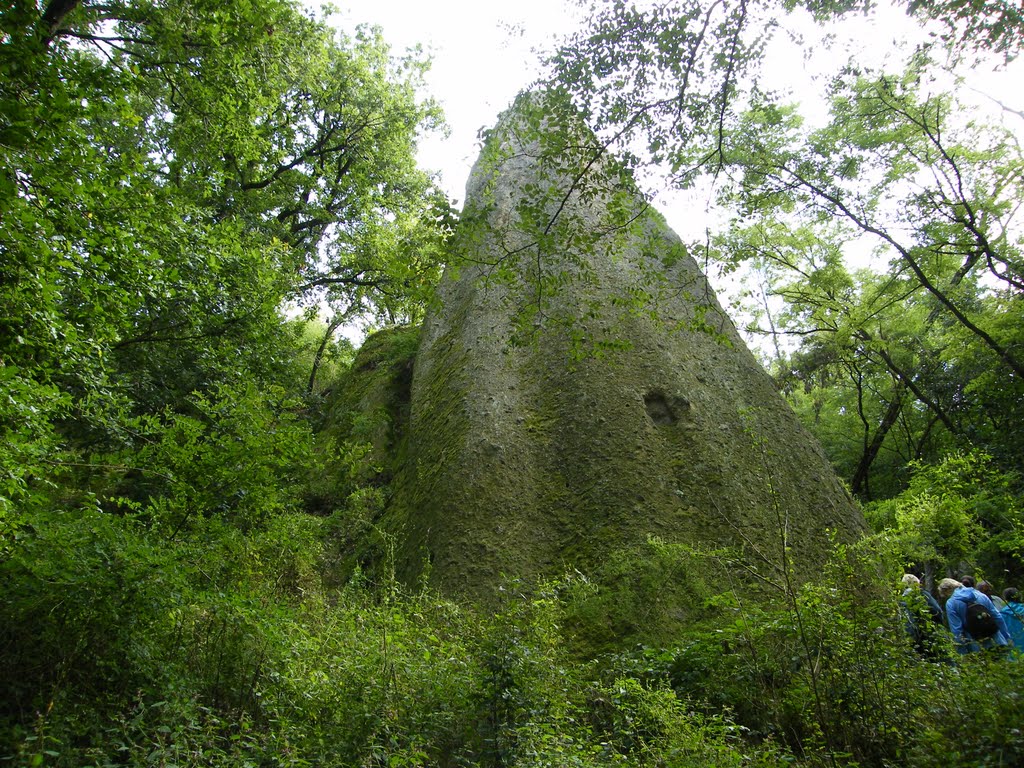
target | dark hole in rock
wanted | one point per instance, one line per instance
(658, 409)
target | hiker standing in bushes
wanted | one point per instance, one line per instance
(946, 588)
(923, 618)
(988, 590)
(1013, 617)
(974, 620)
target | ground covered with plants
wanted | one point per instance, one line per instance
(224, 647)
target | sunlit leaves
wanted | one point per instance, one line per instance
(949, 509)
(170, 174)
(898, 169)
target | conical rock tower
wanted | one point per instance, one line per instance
(579, 392)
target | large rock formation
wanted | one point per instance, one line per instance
(579, 390)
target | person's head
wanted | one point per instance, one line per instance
(1011, 595)
(947, 587)
(910, 580)
(985, 588)
(967, 581)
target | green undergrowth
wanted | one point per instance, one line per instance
(226, 649)
(121, 646)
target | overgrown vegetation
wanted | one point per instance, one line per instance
(122, 647)
(172, 176)
(188, 479)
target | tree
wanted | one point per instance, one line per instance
(662, 81)
(862, 345)
(975, 26)
(170, 174)
(897, 164)
(958, 512)
(939, 200)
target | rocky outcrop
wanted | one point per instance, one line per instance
(579, 390)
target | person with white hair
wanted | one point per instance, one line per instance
(946, 588)
(924, 620)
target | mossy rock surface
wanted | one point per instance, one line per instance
(562, 433)
(364, 425)
(370, 403)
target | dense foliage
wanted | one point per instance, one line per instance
(180, 580)
(227, 649)
(174, 176)
(925, 354)
(170, 175)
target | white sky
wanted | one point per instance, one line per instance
(482, 58)
(483, 55)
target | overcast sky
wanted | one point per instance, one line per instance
(483, 55)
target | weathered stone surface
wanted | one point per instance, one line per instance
(529, 458)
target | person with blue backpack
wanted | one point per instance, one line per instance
(974, 621)
(1013, 617)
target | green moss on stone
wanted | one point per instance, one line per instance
(625, 411)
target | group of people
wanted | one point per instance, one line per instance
(965, 610)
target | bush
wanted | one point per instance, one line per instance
(83, 598)
(225, 648)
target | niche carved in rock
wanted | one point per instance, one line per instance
(665, 410)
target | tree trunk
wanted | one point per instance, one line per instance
(53, 18)
(334, 325)
(860, 477)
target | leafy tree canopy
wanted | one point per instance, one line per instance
(171, 173)
(925, 342)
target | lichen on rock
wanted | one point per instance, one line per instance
(579, 393)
